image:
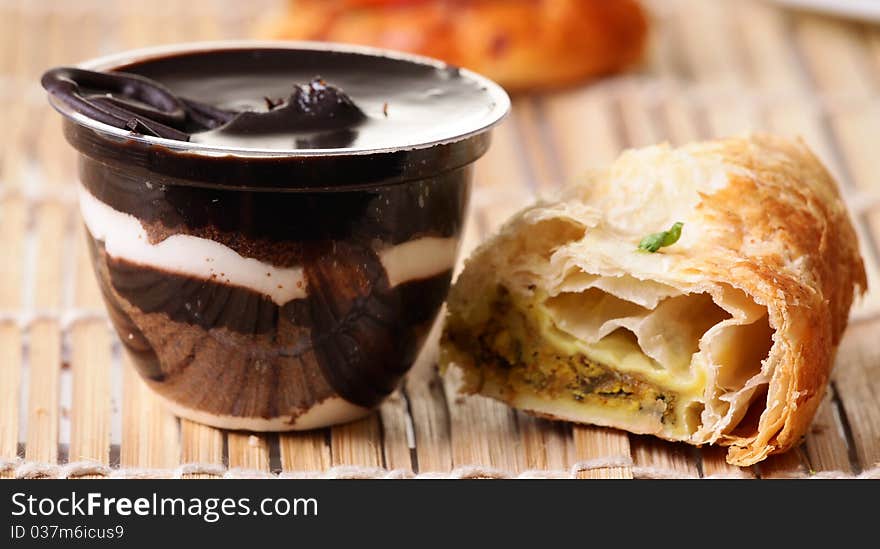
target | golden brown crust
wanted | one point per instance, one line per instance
(762, 217)
(795, 208)
(520, 44)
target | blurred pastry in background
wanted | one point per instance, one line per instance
(522, 44)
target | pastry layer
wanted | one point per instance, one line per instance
(643, 359)
(525, 345)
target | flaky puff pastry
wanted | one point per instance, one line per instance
(725, 337)
(522, 44)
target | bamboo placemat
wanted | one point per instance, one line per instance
(71, 406)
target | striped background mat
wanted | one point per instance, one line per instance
(71, 406)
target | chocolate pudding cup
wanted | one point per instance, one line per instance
(282, 276)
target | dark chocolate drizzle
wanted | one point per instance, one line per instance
(323, 113)
(425, 102)
(316, 106)
(132, 102)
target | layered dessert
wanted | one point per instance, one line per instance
(274, 229)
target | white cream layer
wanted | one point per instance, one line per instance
(417, 259)
(125, 238)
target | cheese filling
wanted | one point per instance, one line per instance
(524, 348)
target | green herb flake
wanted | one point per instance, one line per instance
(655, 241)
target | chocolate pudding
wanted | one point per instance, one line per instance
(274, 227)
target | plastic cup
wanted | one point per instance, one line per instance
(266, 289)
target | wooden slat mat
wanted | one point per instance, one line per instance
(71, 406)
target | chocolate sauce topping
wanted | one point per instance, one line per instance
(316, 106)
(413, 118)
(322, 92)
(316, 114)
(132, 102)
